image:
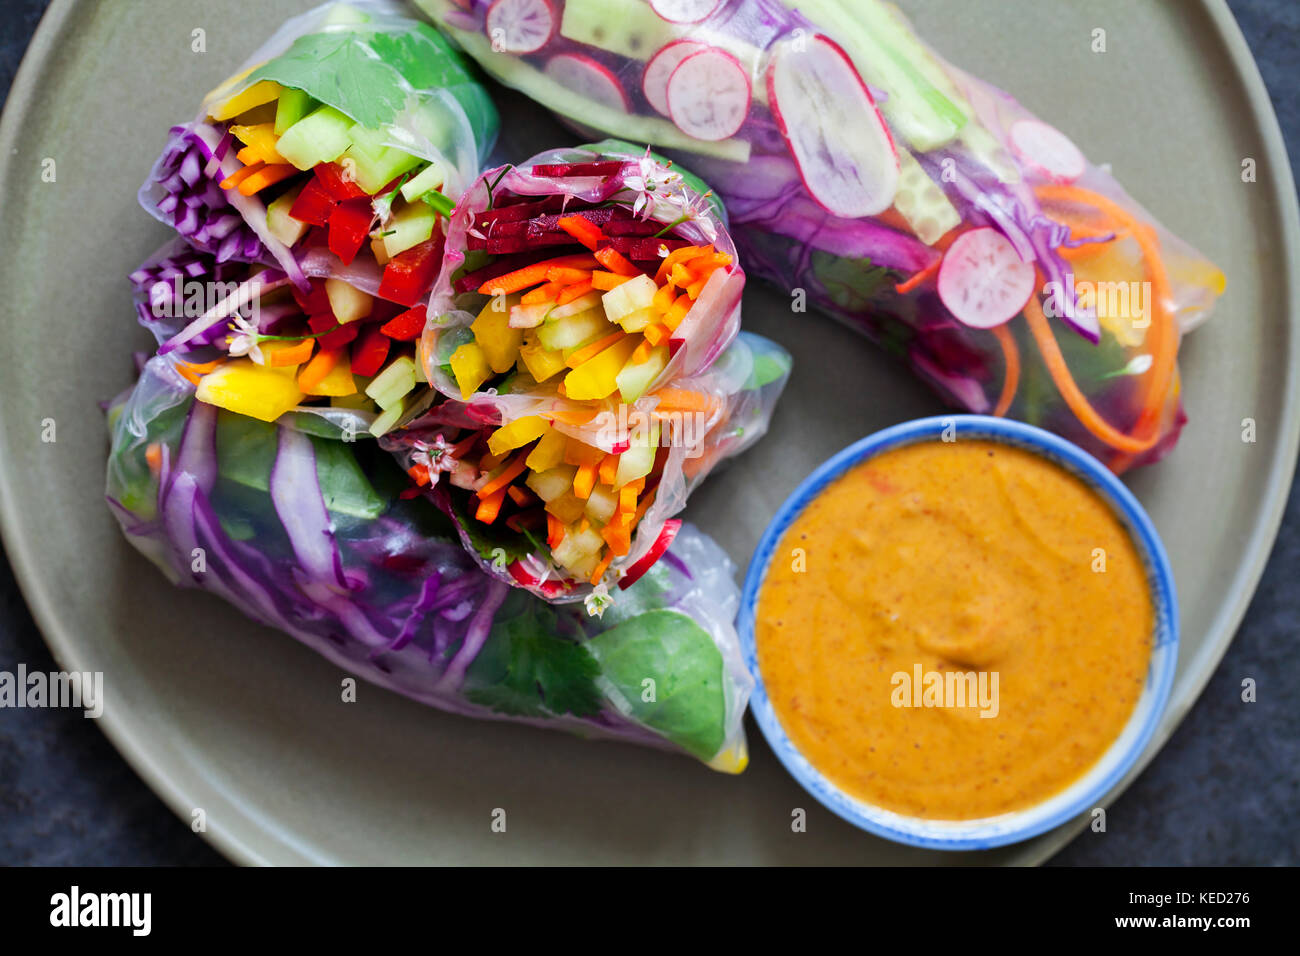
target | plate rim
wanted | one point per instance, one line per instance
(59, 19)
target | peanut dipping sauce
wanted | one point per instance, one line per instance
(967, 556)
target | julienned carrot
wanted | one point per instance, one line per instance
(601, 568)
(582, 229)
(193, 371)
(642, 353)
(657, 333)
(1011, 377)
(574, 290)
(567, 275)
(268, 175)
(508, 474)
(153, 456)
(529, 276)
(609, 469)
(542, 293)
(684, 400)
(918, 278)
(419, 474)
(584, 480)
(490, 507)
(684, 254)
(673, 317)
(1069, 389)
(554, 530)
(594, 349)
(519, 496)
(294, 354)
(616, 262)
(606, 280)
(572, 416)
(314, 372)
(1164, 335)
(239, 175)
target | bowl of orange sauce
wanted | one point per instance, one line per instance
(963, 631)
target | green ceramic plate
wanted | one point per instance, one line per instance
(220, 715)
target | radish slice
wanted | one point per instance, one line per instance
(982, 280)
(589, 79)
(520, 26)
(1048, 151)
(654, 81)
(708, 95)
(840, 143)
(685, 11)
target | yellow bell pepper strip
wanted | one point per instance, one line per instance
(598, 377)
(246, 388)
(469, 364)
(259, 143)
(580, 453)
(589, 352)
(548, 453)
(517, 434)
(337, 382)
(259, 94)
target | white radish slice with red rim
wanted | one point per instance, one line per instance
(839, 140)
(982, 280)
(685, 11)
(709, 94)
(654, 81)
(1047, 151)
(589, 79)
(520, 26)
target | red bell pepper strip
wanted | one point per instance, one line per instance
(315, 300)
(313, 205)
(349, 226)
(336, 184)
(370, 351)
(407, 326)
(410, 274)
(336, 339)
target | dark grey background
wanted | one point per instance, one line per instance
(1223, 791)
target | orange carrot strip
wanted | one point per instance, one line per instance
(314, 372)
(567, 275)
(554, 530)
(519, 496)
(574, 290)
(618, 537)
(572, 416)
(684, 400)
(583, 525)
(239, 175)
(268, 175)
(529, 276)
(153, 457)
(1011, 379)
(543, 293)
(918, 278)
(595, 348)
(684, 254)
(490, 507)
(642, 353)
(663, 300)
(609, 469)
(657, 333)
(673, 317)
(616, 262)
(627, 496)
(294, 354)
(601, 568)
(584, 480)
(419, 474)
(193, 371)
(582, 229)
(509, 474)
(606, 280)
(644, 506)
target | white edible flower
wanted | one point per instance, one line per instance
(598, 600)
(435, 456)
(246, 340)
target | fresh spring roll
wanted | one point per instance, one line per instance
(920, 205)
(313, 536)
(570, 509)
(564, 505)
(582, 292)
(332, 153)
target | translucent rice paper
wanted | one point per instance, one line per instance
(388, 72)
(1113, 289)
(742, 385)
(310, 536)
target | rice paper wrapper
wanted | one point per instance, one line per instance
(739, 390)
(393, 75)
(312, 536)
(852, 160)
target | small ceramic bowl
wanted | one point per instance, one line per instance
(1086, 792)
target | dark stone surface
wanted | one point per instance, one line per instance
(1223, 791)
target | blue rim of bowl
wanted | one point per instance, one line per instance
(979, 834)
